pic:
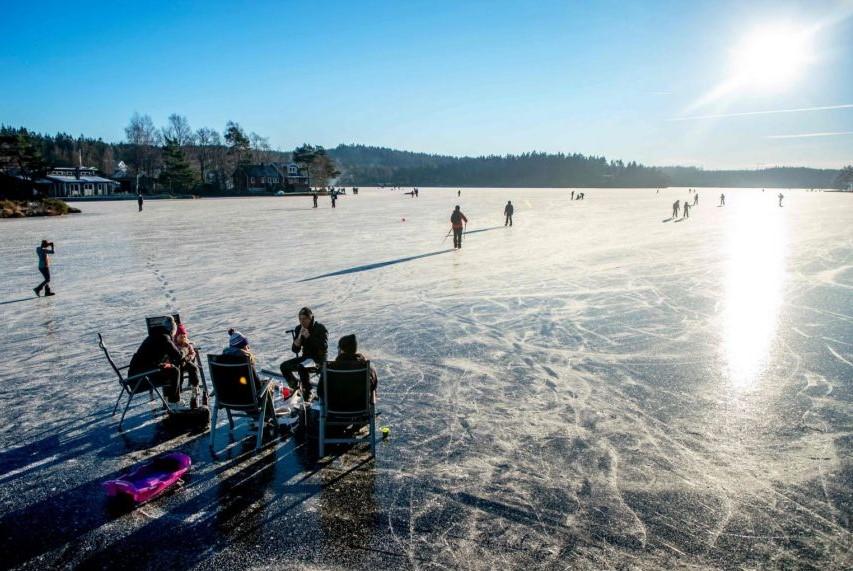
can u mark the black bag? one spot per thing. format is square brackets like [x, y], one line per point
[191, 418]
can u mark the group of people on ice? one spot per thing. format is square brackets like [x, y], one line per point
[168, 352]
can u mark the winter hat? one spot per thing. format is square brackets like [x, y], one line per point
[237, 339]
[182, 329]
[348, 344]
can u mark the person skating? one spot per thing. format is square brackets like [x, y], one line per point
[334, 196]
[458, 193]
[311, 339]
[675, 208]
[696, 199]
[781, 196]
[139, 201]
[573, 195]
[722, 199]
[686, 210]
[508, 210]
[314, 197]
[43, 251]
[457, 223]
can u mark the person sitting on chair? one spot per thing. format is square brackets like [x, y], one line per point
[238, 346]
[312, 339]
[188, 362]
[349, 358]
[158, 351]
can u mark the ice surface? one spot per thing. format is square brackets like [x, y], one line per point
[594, 387]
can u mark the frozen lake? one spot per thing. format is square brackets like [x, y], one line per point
[593, 387]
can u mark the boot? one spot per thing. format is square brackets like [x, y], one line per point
[47, 291]
[38, 291]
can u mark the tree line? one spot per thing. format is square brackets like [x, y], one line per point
[365, 165]
[178, 158]
[173, 157]
[370, 165]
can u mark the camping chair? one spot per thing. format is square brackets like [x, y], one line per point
[133, 385]
[160, 321]
[346, 400]
[234, 385]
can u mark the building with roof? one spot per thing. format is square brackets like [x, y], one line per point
[68, 182]
[270, 177]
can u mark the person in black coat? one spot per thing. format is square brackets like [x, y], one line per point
[508, 210]
[311, 339]
[159, 352]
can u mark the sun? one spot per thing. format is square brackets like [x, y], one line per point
[771, 57]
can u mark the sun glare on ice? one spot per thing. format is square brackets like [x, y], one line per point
[754, 283]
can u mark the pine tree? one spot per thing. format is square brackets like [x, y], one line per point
[176, 174]
[238, 142]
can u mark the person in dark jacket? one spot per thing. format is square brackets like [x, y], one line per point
[311, 339]
[508, 210]
[158, 351]
[457, 223]
[43, 252]
[349, 358]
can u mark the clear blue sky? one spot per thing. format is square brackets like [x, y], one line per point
[596, 77]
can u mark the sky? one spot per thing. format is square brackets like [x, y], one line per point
[660, 82]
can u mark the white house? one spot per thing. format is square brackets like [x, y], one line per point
[79, 181]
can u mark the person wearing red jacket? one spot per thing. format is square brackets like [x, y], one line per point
[457, 222]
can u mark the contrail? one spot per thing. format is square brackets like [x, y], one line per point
[770, 112]
[804, 135]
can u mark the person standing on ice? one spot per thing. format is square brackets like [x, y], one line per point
[43, 252]
[573, 195]
[675, 208]
[458, 193]
[722, 199]
[781, 196]
[696, 199]
[334, 196]
[314, 196]
[508, 210]
[457, 224]
[686, 210]
[139, 201]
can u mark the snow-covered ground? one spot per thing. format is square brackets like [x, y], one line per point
[596, 386]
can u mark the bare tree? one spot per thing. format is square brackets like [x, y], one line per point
[178, 129]
[144, 139]
[206, 141]
[261, 150]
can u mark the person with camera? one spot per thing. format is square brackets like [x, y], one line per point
[43, 251]
[311, 339]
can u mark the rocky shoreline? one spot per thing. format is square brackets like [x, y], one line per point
[26, 208]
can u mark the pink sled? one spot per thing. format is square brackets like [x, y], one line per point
[151, 478]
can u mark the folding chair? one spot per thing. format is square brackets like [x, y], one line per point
[346, 401]
[160, 321]
[133, 385]
[235, 391]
